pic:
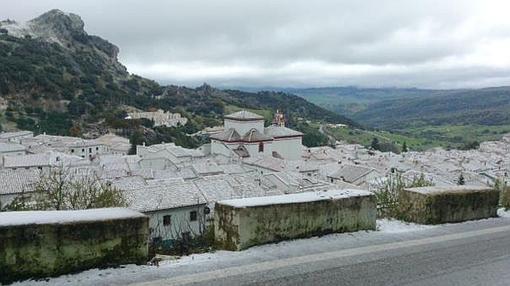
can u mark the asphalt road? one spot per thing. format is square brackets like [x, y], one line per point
[476, 253]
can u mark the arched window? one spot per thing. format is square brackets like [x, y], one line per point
[261, 147]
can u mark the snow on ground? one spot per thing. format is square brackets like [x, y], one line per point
[504, 213]
[397, 226]
[134, 272]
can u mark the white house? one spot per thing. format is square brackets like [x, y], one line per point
[12, 149]
[15, 137]
[66, 144]
[353, 174]
[244, 136]
[176, 208]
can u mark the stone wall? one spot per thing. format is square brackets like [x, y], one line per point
[435, 205]
[41, 244]
[242, 223]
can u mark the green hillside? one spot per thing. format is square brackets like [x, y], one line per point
[56, 78]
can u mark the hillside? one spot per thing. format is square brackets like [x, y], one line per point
[398, 108]
[351, 100]
[56, 78]
[489, 106]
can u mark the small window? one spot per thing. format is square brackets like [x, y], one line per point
[72, 150]
[82, 150]
[167, 220]
[97, 148]
[261, 147]
[90, 150]
[193, 215]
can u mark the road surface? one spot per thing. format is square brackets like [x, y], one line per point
[477, 253]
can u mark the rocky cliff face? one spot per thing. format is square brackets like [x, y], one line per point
[54, 76]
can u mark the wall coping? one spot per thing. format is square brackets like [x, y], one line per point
[295, 198]
[65, 217]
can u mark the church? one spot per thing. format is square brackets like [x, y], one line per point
[244, 135]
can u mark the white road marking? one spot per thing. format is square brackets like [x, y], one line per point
[292, 261]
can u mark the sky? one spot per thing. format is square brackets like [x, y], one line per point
[294, 43]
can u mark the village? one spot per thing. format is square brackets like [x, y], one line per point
[178, 187]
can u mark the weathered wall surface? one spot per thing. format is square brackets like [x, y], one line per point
[435, 205]
[238, 228]
[50, 249]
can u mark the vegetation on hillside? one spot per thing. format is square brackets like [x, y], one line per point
[77, 87]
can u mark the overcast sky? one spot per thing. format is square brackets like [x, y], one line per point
[398, 43]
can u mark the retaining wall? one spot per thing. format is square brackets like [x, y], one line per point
[49, 243]
[435, 205]
[242, 223]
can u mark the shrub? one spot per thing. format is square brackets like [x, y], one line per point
[504, 191]
[388, 194]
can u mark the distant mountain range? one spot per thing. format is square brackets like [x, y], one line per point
[56, 78]
[395, 108]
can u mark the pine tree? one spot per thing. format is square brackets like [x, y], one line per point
[461, 181]
[375, 144]
[404, 147]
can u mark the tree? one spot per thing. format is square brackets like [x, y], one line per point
[137, 138]
[375, 144]
[62, 189]
[404, 147]
[461, 181]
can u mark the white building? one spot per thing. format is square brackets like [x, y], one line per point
[246, 136]
[15, 137]
[176, 208]
[66, 144]
[12, 149]
[160, 118]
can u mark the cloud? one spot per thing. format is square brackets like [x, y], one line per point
[423, 43]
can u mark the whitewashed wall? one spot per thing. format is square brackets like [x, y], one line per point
[289, 148]
[180, 222]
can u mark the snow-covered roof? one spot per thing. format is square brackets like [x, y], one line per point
[280, 131]
[11, 147]
[244, 115]
[163, 194]
[41, 160]
[448, 189]
[206, 169]
[350, 173]
[295, 198]
[65, 217]
[18, 181]
[253, 135]
[8, 135]
[227, 135]
[266, 162]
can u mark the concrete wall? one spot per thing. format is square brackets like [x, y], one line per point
[436, 205]
[53, 243]
[238, 228]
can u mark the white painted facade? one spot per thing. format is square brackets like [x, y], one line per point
[289, 148]
[245, 129]
[88, 150]
[181, 220]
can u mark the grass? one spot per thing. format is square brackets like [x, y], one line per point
[423, 138]
[365, 137]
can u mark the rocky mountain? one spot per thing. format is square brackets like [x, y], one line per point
[56, 78]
